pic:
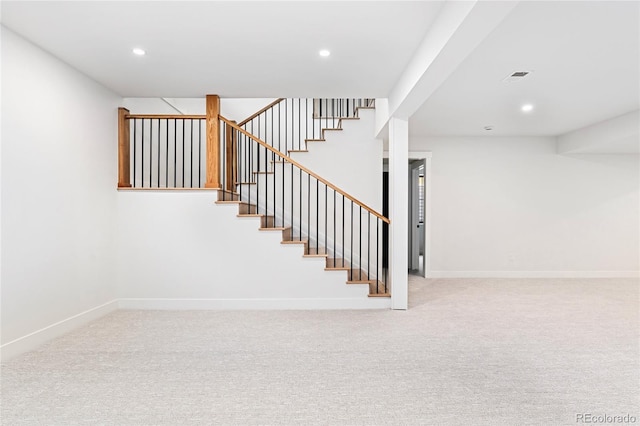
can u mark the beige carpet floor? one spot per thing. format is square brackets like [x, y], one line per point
[468, 352]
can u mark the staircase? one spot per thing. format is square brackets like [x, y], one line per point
[290, 199]
[261, 168]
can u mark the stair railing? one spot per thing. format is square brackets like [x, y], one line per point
[306, 207]
[287, 124]
[167, 151]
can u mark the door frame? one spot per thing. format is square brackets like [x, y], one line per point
[426, 156]
[414, 213]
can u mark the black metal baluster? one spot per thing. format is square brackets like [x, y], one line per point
[306, 120]
[334, 227]
[299, 125]
[317, 217]
[326, 231]
[282, 195]
[150, 151]
[309, 210]
[266, 187]
[259, 150]
[292, 219]
[368, 246]
[183, 132]
[343, 231]
[142, 157]
[199, 153]
[377, 256]
[300, 199]
[273, 178]
[351, 248]
[333, 113]
[240, 163]
[158, 153]
[191, 155]
[360, 244]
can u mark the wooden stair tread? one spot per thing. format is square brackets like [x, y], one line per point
[315, 255]
[298, 150]
[315, 140]
[294, 242]
[246, 183]
[379, 295]
[228, 202]
[263, 173]
[249, 215]
[279, 228]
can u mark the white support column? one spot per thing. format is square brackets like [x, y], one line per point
[398, 211]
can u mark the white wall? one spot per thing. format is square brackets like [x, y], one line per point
[351, 159]
[180, 250]
[231, 108]
[59, 140]
[512, 206]
[618, 135]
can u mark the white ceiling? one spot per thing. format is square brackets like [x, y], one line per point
[234, 49]
[586, 61]
[585, 55]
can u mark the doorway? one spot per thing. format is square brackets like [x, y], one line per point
[419, 211]
[416, 221]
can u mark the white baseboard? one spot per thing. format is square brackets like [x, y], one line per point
[535, 274]
[37, 338]
[255, 304]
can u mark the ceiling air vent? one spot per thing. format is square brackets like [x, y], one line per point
[516, 76]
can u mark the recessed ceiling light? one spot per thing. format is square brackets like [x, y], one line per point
[488, 127]
[324, 53]
[138, 51]
[527, 108]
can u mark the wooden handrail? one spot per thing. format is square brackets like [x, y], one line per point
[167, 116]
[303, 168]
[251, 117]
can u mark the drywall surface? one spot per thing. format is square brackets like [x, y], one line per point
[236, 109]
[59, 161]
[350, 158]
[513, 207]
[179, 246]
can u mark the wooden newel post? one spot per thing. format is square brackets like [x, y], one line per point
[124, 151]
[213, 142]
[231, 158]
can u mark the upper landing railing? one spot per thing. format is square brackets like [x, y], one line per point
[287, 124]
[182, 151]
[169, 151]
